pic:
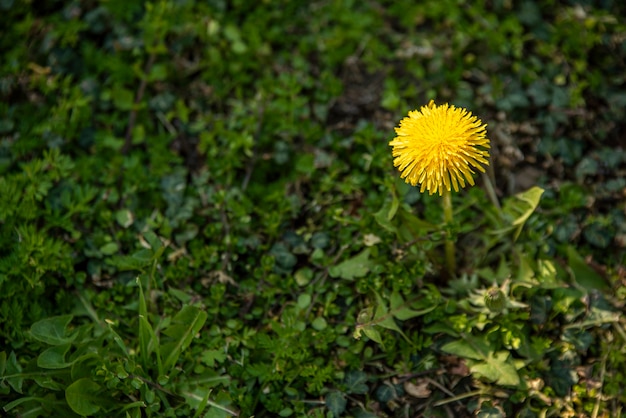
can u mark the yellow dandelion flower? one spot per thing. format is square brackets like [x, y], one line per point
[438, 146]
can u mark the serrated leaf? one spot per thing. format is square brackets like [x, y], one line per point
[83, 397]
[497, 368]
[469, 347]
[336, 403]
[53, 331]
[210, 357]
[355, 382]
[386, 393]
[357, 266]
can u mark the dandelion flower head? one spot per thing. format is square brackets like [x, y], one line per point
[438, 147]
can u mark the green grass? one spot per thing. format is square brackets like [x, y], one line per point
[199, 215]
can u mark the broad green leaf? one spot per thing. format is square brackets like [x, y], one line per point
[83, 397]
[319, 323]
[53, 330]
[468, 347]
[357, 266]
[54, 357]
[386, 393]
[497, 368]
[185, 325]
[336, 403]
[304, 300]
[462, 349]
[584, 275]
[109, 248]
[355, 382]
[124, 218]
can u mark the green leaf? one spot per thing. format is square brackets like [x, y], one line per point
[319, 323]
[54, 357]
[53, 330]
[497, 368]
[469, 347]
[148, 342]
[210, 357]
[520, 207]
[397, 219]
[336, 403]
[31, 406]
[584, 275]
[357, 266]
[136, 261]
[153, 240]
[400, 309]
[355, 382]
[109, 248]
[14, 371]
[386, 213]
[185, 325]
[122, 98]
[382, 317]
[83, 397]
[304, 300]
[124, 218]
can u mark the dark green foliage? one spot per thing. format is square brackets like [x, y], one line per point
[199, 217]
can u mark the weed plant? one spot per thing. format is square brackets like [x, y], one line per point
[199, 213]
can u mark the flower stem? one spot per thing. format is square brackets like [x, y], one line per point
[449, 245]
